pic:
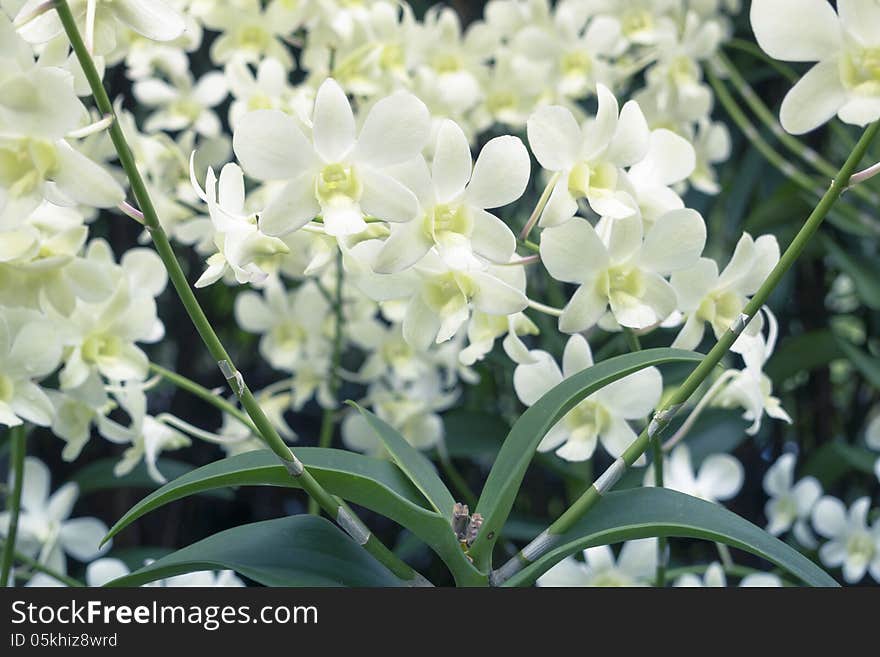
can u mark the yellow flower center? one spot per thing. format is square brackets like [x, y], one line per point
[24, 164]
[501, 101]
[588, 419]
[621, 282]
[577, 63]
[720, 309]
[253, 37]
[97, 346]
[448, 219]
[446, 63]
[6, 388]
[860, 70]
[861, 546]
[448, 292]
[187, 108]
[391, 57]
[338, 180]
[635, 21]
[587, 180]
[258, 102]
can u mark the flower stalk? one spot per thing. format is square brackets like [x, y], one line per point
[550, 537]
[328, 417]
[346, 519]
[13, 504]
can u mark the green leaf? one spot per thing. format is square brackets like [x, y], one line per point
[861, 270]
[98, 476]
[863, 362]
[803, 353]
[645, 512]
[519, 448]
[292, 551]
[834, 460]
[368, 482]
[414, 464]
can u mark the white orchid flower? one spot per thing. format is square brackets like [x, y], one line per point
[846, 79]
[623, 270]
[411, 407]
[242, 247]
[483, 330]
[750, 388]
[182, 105]
[289, 321]
[76, 410]
[267, 88]
[101, 336]
[589, 160]
[147, 436]
[453, 198]
[449, 63]
[336, 174]
[704, 295]
[100, 20]
[712, 144]
[714, 577]
[670, 159]
[636, 565]
[252, 30]
[601, 417]
[45, 529]
[851, 543]
[438, 301]
[577, 48]
[790, 503]
[35, 169]
[718, 478]
[30, 349]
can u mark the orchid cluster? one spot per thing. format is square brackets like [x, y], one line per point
[399, 194]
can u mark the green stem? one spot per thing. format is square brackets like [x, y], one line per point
[662, 541]
[550, 537]
[530, 245]
[657, 451]
[328, 417]
[13, 504]
[33, 564]
[204, 393]
[163, 247]
[632, 340]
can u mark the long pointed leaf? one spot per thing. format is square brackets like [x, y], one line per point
[368, 482]
[292, 551]
[519, 448]
[645, 512]
[414, 464]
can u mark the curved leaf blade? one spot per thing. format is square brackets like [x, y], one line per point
[368, 482]
[645, 512]
[98, 476]
[519, 448]
[378, 485]
[293, 551]
[414, 464]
